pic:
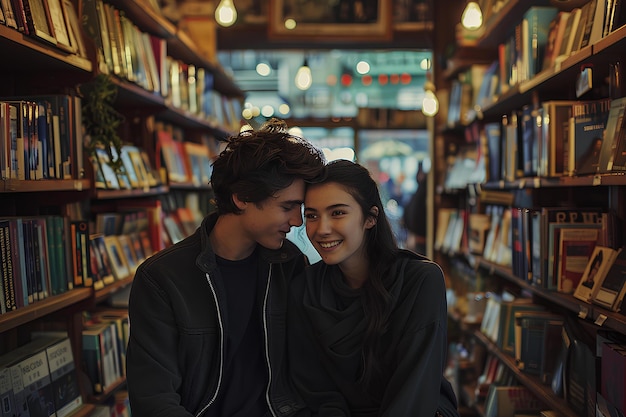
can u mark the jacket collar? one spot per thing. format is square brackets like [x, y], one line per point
[206, 258]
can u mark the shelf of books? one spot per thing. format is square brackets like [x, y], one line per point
[531, 156]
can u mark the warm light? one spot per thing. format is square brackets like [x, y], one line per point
[225, 13]
[430, 104]
[296, 131]
[472, 17]
[284, 108]
[304, 78]
[263, 69]
[425, 64]
[246, 114]
[245, 128]
[362, 67]
[267, 110]
[290, 24]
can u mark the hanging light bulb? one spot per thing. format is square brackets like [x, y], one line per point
[430, 104]
[304, 78]
[472, 17]
[225, 13]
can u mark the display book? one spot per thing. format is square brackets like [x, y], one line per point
[40, 378]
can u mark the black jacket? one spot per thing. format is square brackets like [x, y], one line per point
[326, 326]
[175, 352]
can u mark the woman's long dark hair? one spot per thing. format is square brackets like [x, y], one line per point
[381, 250]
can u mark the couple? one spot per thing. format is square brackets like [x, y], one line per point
[231, 322]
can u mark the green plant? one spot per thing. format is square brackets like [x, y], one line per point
[100, 118]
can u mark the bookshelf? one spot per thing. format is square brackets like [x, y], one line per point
[604, 190]
[39, 68]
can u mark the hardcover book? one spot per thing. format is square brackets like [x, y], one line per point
[595, 271]
[614, 125]
[611, 292]
[585, 136]
[64, 378]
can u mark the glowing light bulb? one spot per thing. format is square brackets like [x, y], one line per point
[304, 77]
[472, 17]
[225, 13]
[430, 103]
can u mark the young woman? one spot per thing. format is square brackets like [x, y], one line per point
[367, 325]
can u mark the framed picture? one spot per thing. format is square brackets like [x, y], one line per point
[59, 23]
[119, 265]
[199, 163]
[110, 177]
[128, 165]
[353, 20]
[129, 253]
[98, 176]
[140, 169]
[103, 261]
[39, 20]
[153, 175]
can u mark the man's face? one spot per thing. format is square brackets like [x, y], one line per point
[269, 222]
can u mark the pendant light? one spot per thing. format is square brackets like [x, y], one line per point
[304, 77]
[225, 13]
[472, 17]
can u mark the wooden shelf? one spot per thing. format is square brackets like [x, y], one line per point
[534, 384]
[23, 315]
[31, 186]
[125, 194]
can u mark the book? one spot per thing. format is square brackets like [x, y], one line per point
[551, 220]
[595, 271]
[575, 248]
[510, 401]
[614, 125]
[582, 153]
[536, 334]
[38, 20]
[612, 289]
[32, 383]
[613, 382]
[536, 25]
[580, 367]
[571, 28]
[556, 31]
[119, 264]
[64, 378]
[555, 123]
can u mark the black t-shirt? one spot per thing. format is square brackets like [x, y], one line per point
[242, 392]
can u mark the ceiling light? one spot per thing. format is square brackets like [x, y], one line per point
[430, 103]
[304, 77]
[263, 69]
[225, 13]
[362, 67]
[472, 17]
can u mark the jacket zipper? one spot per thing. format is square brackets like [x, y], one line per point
[267, 348]
[219, 319]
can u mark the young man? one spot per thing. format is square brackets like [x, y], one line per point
[207, 314]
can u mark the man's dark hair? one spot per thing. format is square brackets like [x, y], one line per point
[257, 164]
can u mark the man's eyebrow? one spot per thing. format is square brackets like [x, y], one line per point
[293, 202]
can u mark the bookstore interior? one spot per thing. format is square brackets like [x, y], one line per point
[112, 111]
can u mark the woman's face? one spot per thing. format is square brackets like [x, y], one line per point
[335, 225]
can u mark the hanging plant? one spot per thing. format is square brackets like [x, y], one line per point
[100, 118]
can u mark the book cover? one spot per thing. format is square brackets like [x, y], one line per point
[614, 125]
[611, 291]
[580, 368]
[595, 271]
[538, 20]
[613, 382]
[536, 332]
[32, 385]
[617, 160]
[556, 115]
[575, 248]
[586, 134]
[571, 28]
[560, 215]
[64, 377]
